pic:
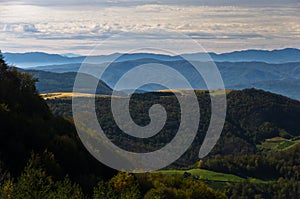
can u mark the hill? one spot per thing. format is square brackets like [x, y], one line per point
[253, 117]
[28, 127]
[63, 82]
[260, 141]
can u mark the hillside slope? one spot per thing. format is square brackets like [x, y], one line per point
[253, 116]
[64, 82]
[28, 126]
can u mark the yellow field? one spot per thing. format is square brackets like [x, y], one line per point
[68, 95]
[58, 95]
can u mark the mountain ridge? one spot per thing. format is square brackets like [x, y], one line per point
[32, 59]
[278, 78]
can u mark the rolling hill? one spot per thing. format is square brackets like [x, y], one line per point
[253, 117]
[63, 82]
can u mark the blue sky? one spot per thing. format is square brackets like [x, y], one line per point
[74, 26]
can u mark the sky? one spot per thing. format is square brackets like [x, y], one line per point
[73, 26]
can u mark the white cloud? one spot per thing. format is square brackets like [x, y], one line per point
[128, 3]
[218, 28]
[29, 28]
[22, 28]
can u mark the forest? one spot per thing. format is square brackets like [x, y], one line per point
[42, 156]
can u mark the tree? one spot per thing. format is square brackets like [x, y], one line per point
[123, 186]
[35, 183]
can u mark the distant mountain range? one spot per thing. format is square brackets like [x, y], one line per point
[33, 59]
[282, 79]
[277, 71]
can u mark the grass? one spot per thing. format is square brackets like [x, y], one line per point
[206, 175]
[277, 144]
[215, 180]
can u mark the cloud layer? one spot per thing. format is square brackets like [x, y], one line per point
[72, 27]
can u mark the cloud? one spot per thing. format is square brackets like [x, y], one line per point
[29, 28]
[19, 28]
[221, 28]
[197, 35]
[129, 3]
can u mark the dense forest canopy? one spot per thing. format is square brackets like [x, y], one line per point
[42, 157]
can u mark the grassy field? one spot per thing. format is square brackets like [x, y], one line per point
[206, 175]
[278, 144]
[214, 179]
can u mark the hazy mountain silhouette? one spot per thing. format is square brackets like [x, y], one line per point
[32, 59]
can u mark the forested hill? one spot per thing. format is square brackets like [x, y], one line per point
[28, 126]
[254, 117]
[260, 140]
[41, 155]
